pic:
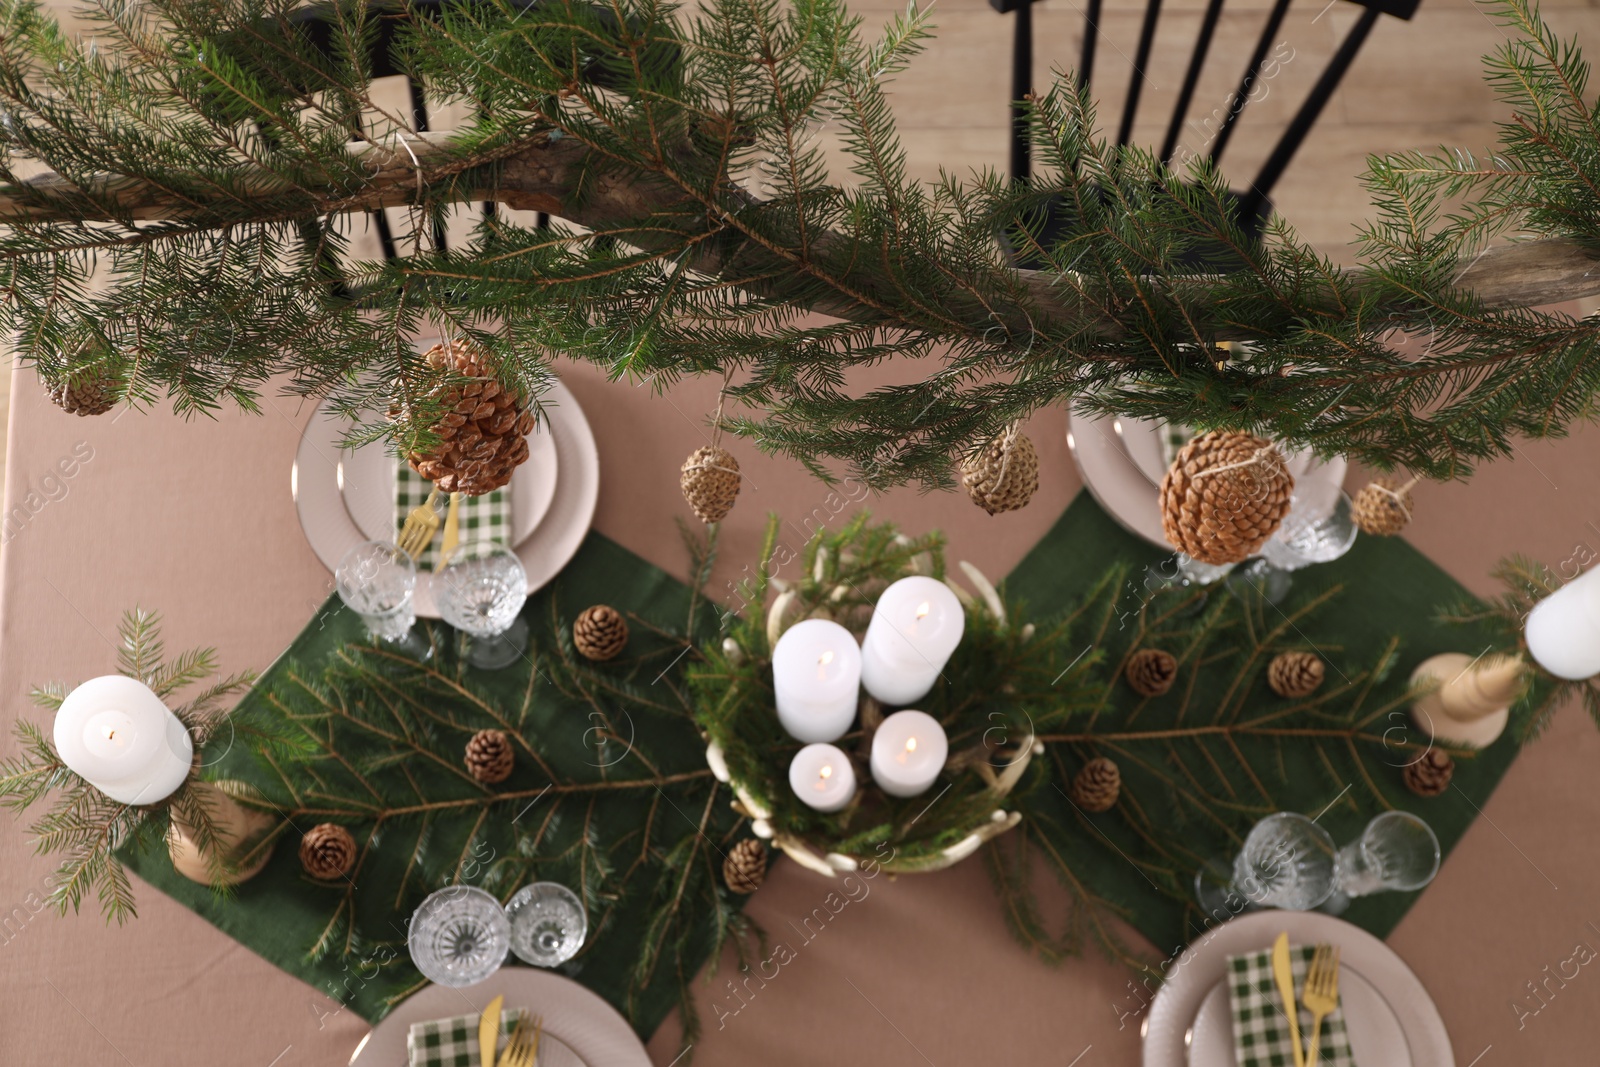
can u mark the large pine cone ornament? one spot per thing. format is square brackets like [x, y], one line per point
[327, 851]
[600, 632]
[745, 867]
[1224, 496]
[483, 435]
[710, 482]
[1003, 474]
[1151, 671]
[1430, 775]
[1294, 674]
[1096, 786]
[489, 756]
[84, 394]
[1382, 509]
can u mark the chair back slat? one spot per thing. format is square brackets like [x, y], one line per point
[1141, 60]
[1091, 36]
[1191, 78]
[1247, 81]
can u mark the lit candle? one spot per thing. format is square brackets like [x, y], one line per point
[1563, 629]
[914, 628]
[816, 677]
[116, 734]
[908, 752]
[821, 776]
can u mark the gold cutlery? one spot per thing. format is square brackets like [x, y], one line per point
[422, 522]
[489, 1031]
[1321, 994]
[452, 530]
[1283, 973]
[523, 1049]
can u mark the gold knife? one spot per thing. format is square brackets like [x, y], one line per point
[489, 1032]
[1284, 973]
[452, 529]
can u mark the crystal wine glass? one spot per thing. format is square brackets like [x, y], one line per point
[548, 923]
[1397, 851]
[1287, 862]
[377, 581]
[481, 592]
[458, 936]
[1316, 530]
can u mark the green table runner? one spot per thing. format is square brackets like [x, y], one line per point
[280, 914]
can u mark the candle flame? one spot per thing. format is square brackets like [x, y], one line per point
[923, 609]
[822, 665]
[911, 746]
[823, 775]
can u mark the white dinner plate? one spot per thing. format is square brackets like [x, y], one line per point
[314, 481]
[585, 1027]
[1131, 498]
[1391, 1020]
[1141, 438]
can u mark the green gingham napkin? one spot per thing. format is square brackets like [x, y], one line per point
[453, 1042]
[1261, 1030]
[483, 518]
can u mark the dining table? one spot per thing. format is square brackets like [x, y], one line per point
[193, 517]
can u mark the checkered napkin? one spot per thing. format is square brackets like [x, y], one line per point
[483, 518]
[1261, 1030]
[453, 1042]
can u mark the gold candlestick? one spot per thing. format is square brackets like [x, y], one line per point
[240, 829]
[1470, 700]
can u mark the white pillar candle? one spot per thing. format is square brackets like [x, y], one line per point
[915, 627]
[116, 734]
[821, 776]
[816, 678]
[908, 752]
[1563, 629]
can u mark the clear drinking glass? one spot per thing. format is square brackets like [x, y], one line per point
[1397, 851]
[458, 936]
[376, 581]
[480, 592]
[1179, 571]
[548, 923]
[1316, 530]
[1287, 862]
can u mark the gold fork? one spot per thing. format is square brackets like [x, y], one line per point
[1321, 994]
[523, 1048]
[421, 524]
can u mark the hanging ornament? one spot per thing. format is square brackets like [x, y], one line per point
[85, 393]
[1383, 507]
[327, 851]
[1224, 495]
[1003, 474]
[600, 632]
[489, 756]
[710, 482]
[1294, 674]
[483, 433]
[1097, 785]
[1151, 671]
[746, 866]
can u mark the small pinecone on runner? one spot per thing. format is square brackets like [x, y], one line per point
[1224, 495]
[1151, 671]
[746, 866]
[600, 632]
[710, 482]
[483, 434]
[1295, 674]
[1002, 475]
[1096, 785]
[84, 394]
[1382, 508]
[327, 851]
[489, 756]
[1430, 775]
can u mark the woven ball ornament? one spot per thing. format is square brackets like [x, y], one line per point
[710, 482]
[489, 757]
[483, 434]
[1096, 786]
[1383, 508]
[1294, 674]
[1430, 775]
[1002, 475]
[327, 851]
[745, 867]
[1151, 671]
[85, 394]
[1225, 494]
[600, 633]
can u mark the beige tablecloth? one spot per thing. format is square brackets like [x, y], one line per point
[196, 520]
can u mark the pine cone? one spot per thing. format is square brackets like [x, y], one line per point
[745, 868]
[1382, 509]
[327, 851]
[600, 632]
[1294, 674]
[710, 482]
[489, 756]
[483, 435]
[1151, 671]
[1003, 474]
[85, 394]
[1430, 775]
[1096, 785]
[1225, 494]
